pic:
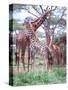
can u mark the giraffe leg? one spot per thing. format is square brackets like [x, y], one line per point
[46, 60]
[61, 59]
[33, 64]
[18, 58]
[28, 58]
[58, 58]
[23, 56]
[46, 64]
[28, 55]
[15, 58]
[32, 59]
[50, 62]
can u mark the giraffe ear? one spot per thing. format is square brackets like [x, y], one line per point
[47, 10]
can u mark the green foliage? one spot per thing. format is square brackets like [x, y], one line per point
[57, 20]
[57, 75]
[54, 20]
[40, 34]
[14, 25]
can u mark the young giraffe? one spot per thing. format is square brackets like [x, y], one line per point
[23, 39]
[53, 48]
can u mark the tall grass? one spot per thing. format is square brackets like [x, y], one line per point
[57, 75]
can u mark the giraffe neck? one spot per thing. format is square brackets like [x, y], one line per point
[37, 23]
[30, 31]
[47, 34]
[37, 46]
[34, 25]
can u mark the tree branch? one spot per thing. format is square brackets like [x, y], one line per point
[63, 13]
[31, 13]
[53, 9]
[41, 9]
[36, 10]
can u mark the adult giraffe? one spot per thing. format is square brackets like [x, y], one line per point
[23, 39]
[42, 49]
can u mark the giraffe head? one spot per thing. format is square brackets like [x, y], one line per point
[47, 12]
[27, 20]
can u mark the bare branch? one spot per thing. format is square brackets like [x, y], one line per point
[41, 9]
[24, 8]
[63, 13]
[31, 13]
[36, 9]
[47, 7]
[53, 9]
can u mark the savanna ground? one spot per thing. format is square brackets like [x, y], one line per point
[38, 76]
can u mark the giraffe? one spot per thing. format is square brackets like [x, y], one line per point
[37, 47]
[50, 50]
[23, 39]
[56, 52]
[62, 44]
